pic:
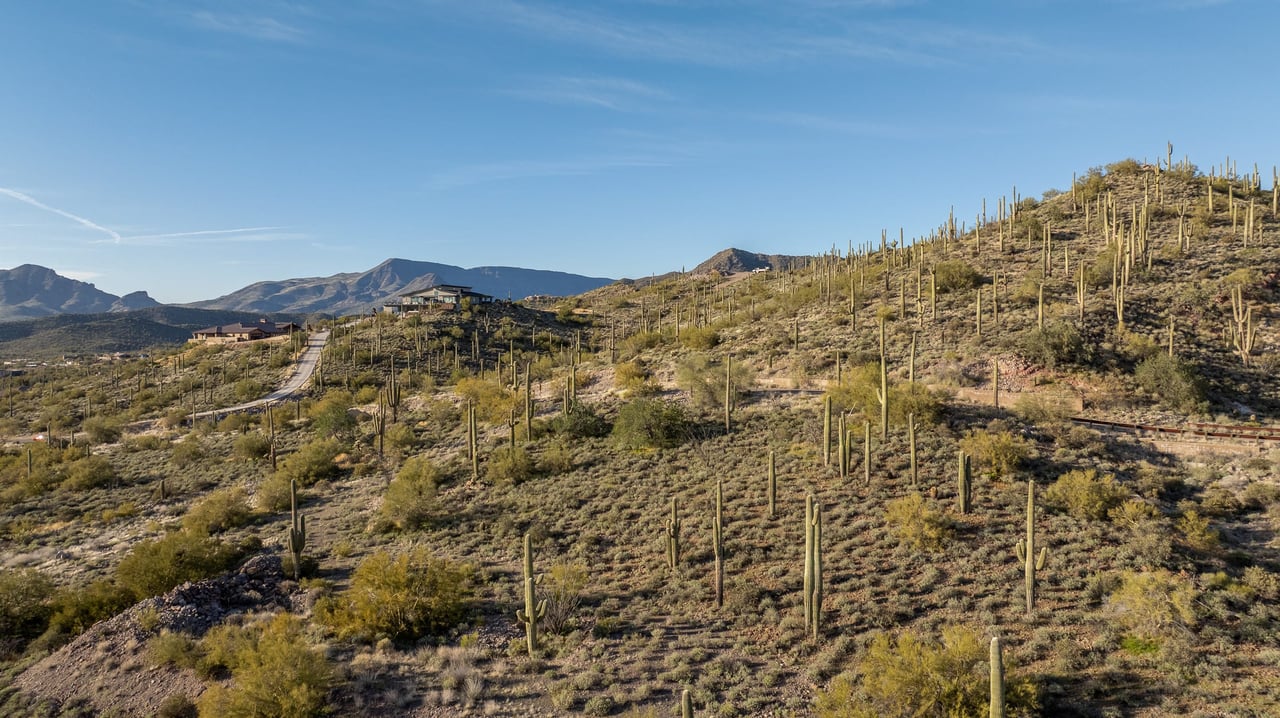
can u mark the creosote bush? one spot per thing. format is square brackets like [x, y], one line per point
[1153, 605]
[954, 275]
[917, 524]
[582, 421]
[221, 510]
[911, 676]
[400, 596]
[1085, 495]
[650, 423]
[274, 672]
[156, 566]
[999, 451]
[509, 466]
[1174, 380]
[1058, 343]
[311, 462]
[411, 495]
[25, 606]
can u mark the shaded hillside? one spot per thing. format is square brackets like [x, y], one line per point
[30, 291]
[110, 332]
[358, 292]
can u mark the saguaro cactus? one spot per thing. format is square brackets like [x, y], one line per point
[826, 430]
[812, 566]
[882, 393]
[911, 438]
[997, 679]
[297, 530]
[717, 542]
[673, 536]
[533, 610]
[964, 490]
[686, 704]
[773, 486]
[1026, 550]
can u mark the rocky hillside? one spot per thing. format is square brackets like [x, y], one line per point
[358, 292]
[732, 261]
[29, 291]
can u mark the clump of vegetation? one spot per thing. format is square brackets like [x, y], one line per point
[582, 421]
[221, 510]
[917, 524]
[252, 446]
[273, 671]
[509, 466]
[650, 424]
[634, 378]
[1000, 450]
[699, 338]
[402, 597]
[1057, 343]
[910, 676]
[953, 275]
[491, 401]
[411, 495]
[858, 392]
[25, 607]
[1085, 495]
[704, 379]
[156, 566]
[1175, 381]
[1153, 605]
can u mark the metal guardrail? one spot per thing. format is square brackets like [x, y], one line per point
[1211, 431]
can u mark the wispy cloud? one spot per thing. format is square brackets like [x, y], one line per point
[216, 236]
[21, 197]
[822, 123]
[256, 27]
[610, 93]
[501, 171]
[796, 31]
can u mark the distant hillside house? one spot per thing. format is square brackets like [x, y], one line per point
[241, 332]
[446, 296]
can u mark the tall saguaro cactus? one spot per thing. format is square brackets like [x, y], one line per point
[882, 393]
[717, 542]
[533, 610]
[673, 535]
[773, 486]
[812, 566]
[1026, 550]
[997, 679]
[297, 530]
[964, 489]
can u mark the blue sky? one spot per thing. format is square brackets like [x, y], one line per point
[189, 148]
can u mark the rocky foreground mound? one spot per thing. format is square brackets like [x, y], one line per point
[107, 665]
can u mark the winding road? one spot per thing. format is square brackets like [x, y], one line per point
[303, 369]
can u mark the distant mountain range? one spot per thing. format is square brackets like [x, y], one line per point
[30, 291]
[731, 261]
[356, 292]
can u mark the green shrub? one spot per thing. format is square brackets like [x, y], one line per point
[399, 439]
[564, 586]
[633, 378]
[704, 380]
[76, 609]
[172, 649]
[156, 566]
[955, 275]
[252, 446]
[1057, 343]
[859, 388]
[102, 429]
[402, 597]
[221, 510]
[187, 452]
[331, 416]
[1175, 381]
[1085, 495]
[917, 524]
[699, 338]
[248, 389]
[89, 473]
[312, 461]
[273, 494]
[912, 677]
[25, 607]
[1153, 605]
[580, 422]
[650, 423]
[1000, 451]
[273, 673]
[411, 495]
[492, 402]
[509, 466]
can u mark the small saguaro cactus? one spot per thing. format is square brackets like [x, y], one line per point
[297, 530]
[964, 490]
[1026, 550]
[882, 393]
[911, 438]
[717, 542]
[773, 485]
[673, 535]
[826, 430]
[533, 610]
[686, 704]
[997, 679]
[812, 566]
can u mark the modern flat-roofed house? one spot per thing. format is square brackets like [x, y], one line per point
[241, 332]
[446, 296]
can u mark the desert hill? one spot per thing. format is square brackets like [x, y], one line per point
[926, 405]
[30, 291]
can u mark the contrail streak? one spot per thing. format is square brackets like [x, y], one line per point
[115, 236]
